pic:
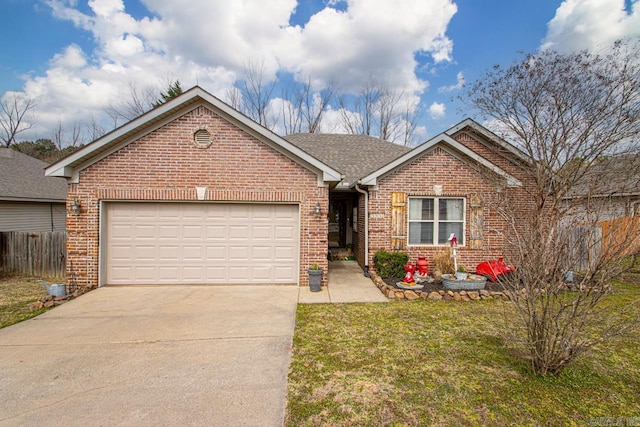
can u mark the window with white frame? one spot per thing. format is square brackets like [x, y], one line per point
[433, 219]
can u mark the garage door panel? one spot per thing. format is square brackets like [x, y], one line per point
[284, 253]
[121, 231]
[142, 253]
[192, 232]
[261, 253]
[261, 232]
[193, 243]
[144, 274]
[123, 252]
[146, 231]
[284, 232]
[193, 253]
[262, 273]
[282, 272]
[238, 253]
[168, 253]
[239, 232]
[239, 274]
[168, 231]
[215, 253]
[213, 274]
[216, 232]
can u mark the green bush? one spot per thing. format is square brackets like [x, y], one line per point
[390, 264]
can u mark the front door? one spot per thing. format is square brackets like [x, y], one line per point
[337, 223]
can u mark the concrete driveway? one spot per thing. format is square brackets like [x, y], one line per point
[188, 355]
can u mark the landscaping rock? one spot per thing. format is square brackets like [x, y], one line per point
[473, 295]
[457, 297]
[410, 295]
[435, 295]
[399, 294]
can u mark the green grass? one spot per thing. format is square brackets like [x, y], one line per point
[16, 293]
[444, 363]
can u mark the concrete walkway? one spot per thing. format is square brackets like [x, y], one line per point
[152, 356]
[346, 284]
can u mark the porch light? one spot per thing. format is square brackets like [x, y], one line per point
[75, 207]
[318, 209]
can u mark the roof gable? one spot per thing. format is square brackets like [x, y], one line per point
[22, 179]
[443, 139]
[70, 166]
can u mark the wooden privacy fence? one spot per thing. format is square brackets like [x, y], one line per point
[37, 254]
[612, 239]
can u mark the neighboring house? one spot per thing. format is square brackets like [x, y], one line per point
[195, 192]
[607, 198]
[29, 201]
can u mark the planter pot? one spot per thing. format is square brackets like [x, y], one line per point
[315, 280]
[56, 290]
[461, 276]
[472, 282]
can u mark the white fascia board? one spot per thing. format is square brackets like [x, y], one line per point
[328, 174]
[490, 136]
[63, 167]
[372, 179]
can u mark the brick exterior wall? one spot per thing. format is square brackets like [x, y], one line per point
[166, 165]
[459, 177]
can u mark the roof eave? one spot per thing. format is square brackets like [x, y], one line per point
[372, 179]
[70, 166]
[470, 123]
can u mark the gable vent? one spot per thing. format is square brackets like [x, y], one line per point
[202, 138]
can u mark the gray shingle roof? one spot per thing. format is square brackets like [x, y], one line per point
[353, 155]
[613, 176]
[22, 178]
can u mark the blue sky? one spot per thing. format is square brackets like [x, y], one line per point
[78, 58]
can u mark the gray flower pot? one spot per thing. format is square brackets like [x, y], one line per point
[315, 280]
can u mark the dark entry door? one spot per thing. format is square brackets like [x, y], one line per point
[337, 223]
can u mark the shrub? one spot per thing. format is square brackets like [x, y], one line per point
[443, 262]
[390, 264]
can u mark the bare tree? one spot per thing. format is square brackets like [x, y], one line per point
[256, 91]
[59, 138]
[303, 108]
[14, 114]
[381, 111]
[567, 113]
[93, 129]
[388, 112]
[138, 101]
[314, 104]
[359, 116]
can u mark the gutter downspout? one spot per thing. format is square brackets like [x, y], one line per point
[366, 229]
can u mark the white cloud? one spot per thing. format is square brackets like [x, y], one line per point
[459, 84]
[211, 41]
[437, 110]
[591, 24]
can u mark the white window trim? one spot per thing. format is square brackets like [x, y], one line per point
[436, 220]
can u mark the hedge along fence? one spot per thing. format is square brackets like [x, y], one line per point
[34, 254]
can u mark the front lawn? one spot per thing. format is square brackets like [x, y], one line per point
[16, 293]
[444, 363]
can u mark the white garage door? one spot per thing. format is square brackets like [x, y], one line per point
[195, 243]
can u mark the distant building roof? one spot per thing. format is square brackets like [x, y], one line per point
[353, 155]
[22, 179]
[610, 177]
